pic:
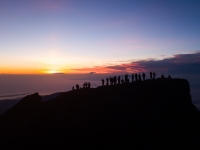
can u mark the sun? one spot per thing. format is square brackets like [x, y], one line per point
[52, 71]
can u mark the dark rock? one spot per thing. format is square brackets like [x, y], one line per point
[151, 114]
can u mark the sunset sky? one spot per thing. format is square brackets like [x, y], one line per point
[104, 36]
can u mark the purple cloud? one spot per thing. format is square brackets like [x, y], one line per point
[180, 63]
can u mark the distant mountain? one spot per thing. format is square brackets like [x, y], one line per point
[151, 114]
[9, 103]
[91, 72]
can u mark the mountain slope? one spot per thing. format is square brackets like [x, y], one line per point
[152, 114]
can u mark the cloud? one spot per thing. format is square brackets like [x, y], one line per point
[178, 64]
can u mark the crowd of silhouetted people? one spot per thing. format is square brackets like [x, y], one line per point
[118, 80]
[85, 85]
[134, 77]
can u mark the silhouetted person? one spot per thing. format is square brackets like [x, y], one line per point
[107, 81]
[126, 77]
[110, 80]
[136, 77]
[102, 82]
[86, 85]
[140, 79]
[162, 76]
[118, 79]
[132, 77]
[143, 76]
[115, 80]
[89, 84]
[122, 81]
[83, 85]
[73, 88]
[77, 87]
[150, 75]
[169, 77]
[154, 75]
[127, 80]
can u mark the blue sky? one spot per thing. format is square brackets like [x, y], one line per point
[48, 36]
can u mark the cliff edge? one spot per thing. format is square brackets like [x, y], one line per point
[150, 114]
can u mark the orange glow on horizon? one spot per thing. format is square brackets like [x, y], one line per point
[52, 71]
[74, 69]
[20, 71]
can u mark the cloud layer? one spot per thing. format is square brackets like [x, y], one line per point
[178, 64]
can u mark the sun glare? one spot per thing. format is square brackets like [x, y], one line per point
[52, 71]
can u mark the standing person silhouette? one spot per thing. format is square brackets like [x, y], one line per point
[136, 77]
[89, 84]
[73, 88]
[102, 82]
[86, 85]
[169, 77]
[143, 76]
[154, 75]
[115, 80]
[107, 81]
[118, 79]
[132, 77]
[77, 87]
[140, 77]
[122, 80]
[125, 78]
[150, 75]
[110, 81]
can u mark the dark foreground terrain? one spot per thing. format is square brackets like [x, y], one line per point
[152, 114]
